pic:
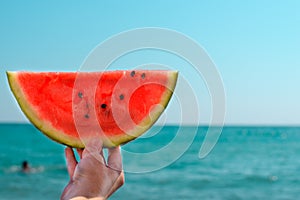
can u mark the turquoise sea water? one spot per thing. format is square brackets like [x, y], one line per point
[247, 163]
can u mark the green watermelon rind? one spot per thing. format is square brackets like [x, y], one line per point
[44, 126]
[152, 117]
[59, 136]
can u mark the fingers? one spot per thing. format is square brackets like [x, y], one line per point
[71, 161]
[79, 151]
[117, 184]
[114, 160]
[94, 148]
[94, 145]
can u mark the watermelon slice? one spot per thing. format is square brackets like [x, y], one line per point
[71, 107]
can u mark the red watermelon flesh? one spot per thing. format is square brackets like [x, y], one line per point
[69, 107]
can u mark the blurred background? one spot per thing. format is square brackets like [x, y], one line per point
[255, 46]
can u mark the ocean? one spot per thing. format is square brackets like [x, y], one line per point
[247, 163]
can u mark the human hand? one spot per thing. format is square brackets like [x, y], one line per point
[92, 176]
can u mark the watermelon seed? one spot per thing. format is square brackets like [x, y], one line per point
[80, 95]
[103, 105]
[121, 97]
[132, 73]
[87, 116]
[143, 75]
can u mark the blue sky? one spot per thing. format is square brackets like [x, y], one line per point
[255, 45]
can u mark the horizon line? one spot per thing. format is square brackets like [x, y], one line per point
[191, 124]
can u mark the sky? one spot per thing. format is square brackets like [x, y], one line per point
[255, 46]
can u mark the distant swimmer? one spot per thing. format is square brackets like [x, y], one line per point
[25, 167]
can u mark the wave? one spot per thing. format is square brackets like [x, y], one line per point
[33, 170]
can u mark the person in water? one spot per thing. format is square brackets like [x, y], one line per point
[93, 177]
[25, 167]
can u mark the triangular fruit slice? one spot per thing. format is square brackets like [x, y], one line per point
[71, 107]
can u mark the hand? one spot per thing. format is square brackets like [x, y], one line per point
[92, 176]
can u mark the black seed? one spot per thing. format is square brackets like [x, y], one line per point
[80, 95]
[143, 75]
[103, 105]
[132, 73]
[87, 116]
[121, 97]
